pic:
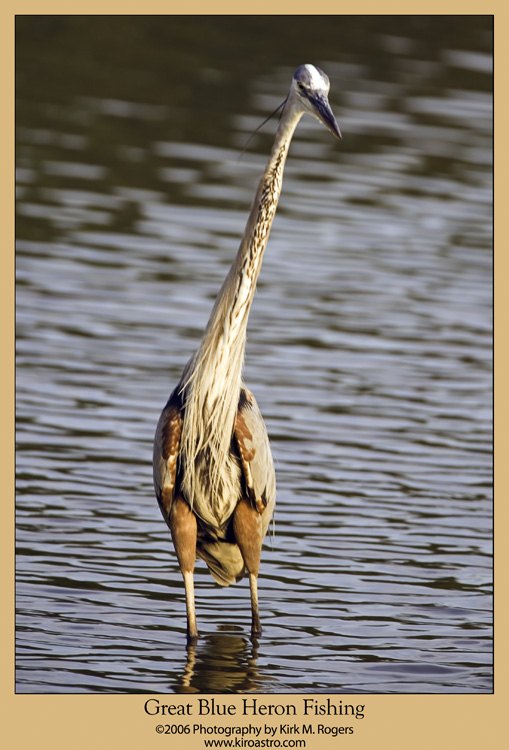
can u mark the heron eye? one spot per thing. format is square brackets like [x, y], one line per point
[301, 86]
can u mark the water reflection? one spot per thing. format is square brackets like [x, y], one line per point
[224, 663]
[369, 350]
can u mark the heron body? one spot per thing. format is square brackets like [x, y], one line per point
[213, 470]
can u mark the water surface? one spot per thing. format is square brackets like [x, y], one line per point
[369, 350]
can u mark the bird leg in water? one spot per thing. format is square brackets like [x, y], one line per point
[182, 523]
[247, 528]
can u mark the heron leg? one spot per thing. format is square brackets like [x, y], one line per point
[182, 523]
[247, 527]
[256, 627]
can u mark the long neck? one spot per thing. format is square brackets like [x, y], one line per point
[223, 344]
[212, 380]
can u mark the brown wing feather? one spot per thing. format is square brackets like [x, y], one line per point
[255, 456]
[166, 449]
[224, 559]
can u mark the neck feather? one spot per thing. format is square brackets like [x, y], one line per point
[212, 379]
[226, 330]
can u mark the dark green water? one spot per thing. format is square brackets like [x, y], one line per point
[369, 348]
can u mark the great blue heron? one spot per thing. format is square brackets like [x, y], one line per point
[213, 470]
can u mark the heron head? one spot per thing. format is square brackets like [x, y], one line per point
[310, 87]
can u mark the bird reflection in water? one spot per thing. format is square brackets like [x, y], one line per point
[224, 663]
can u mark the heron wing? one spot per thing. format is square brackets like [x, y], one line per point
[255, 457]
[166, 449]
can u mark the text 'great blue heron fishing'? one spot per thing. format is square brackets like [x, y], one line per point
[213, 469]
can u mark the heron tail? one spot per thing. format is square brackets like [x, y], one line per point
[224, 561]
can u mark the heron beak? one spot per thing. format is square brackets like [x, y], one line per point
[324, 114]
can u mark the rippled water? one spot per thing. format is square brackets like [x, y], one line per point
[369, 352]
